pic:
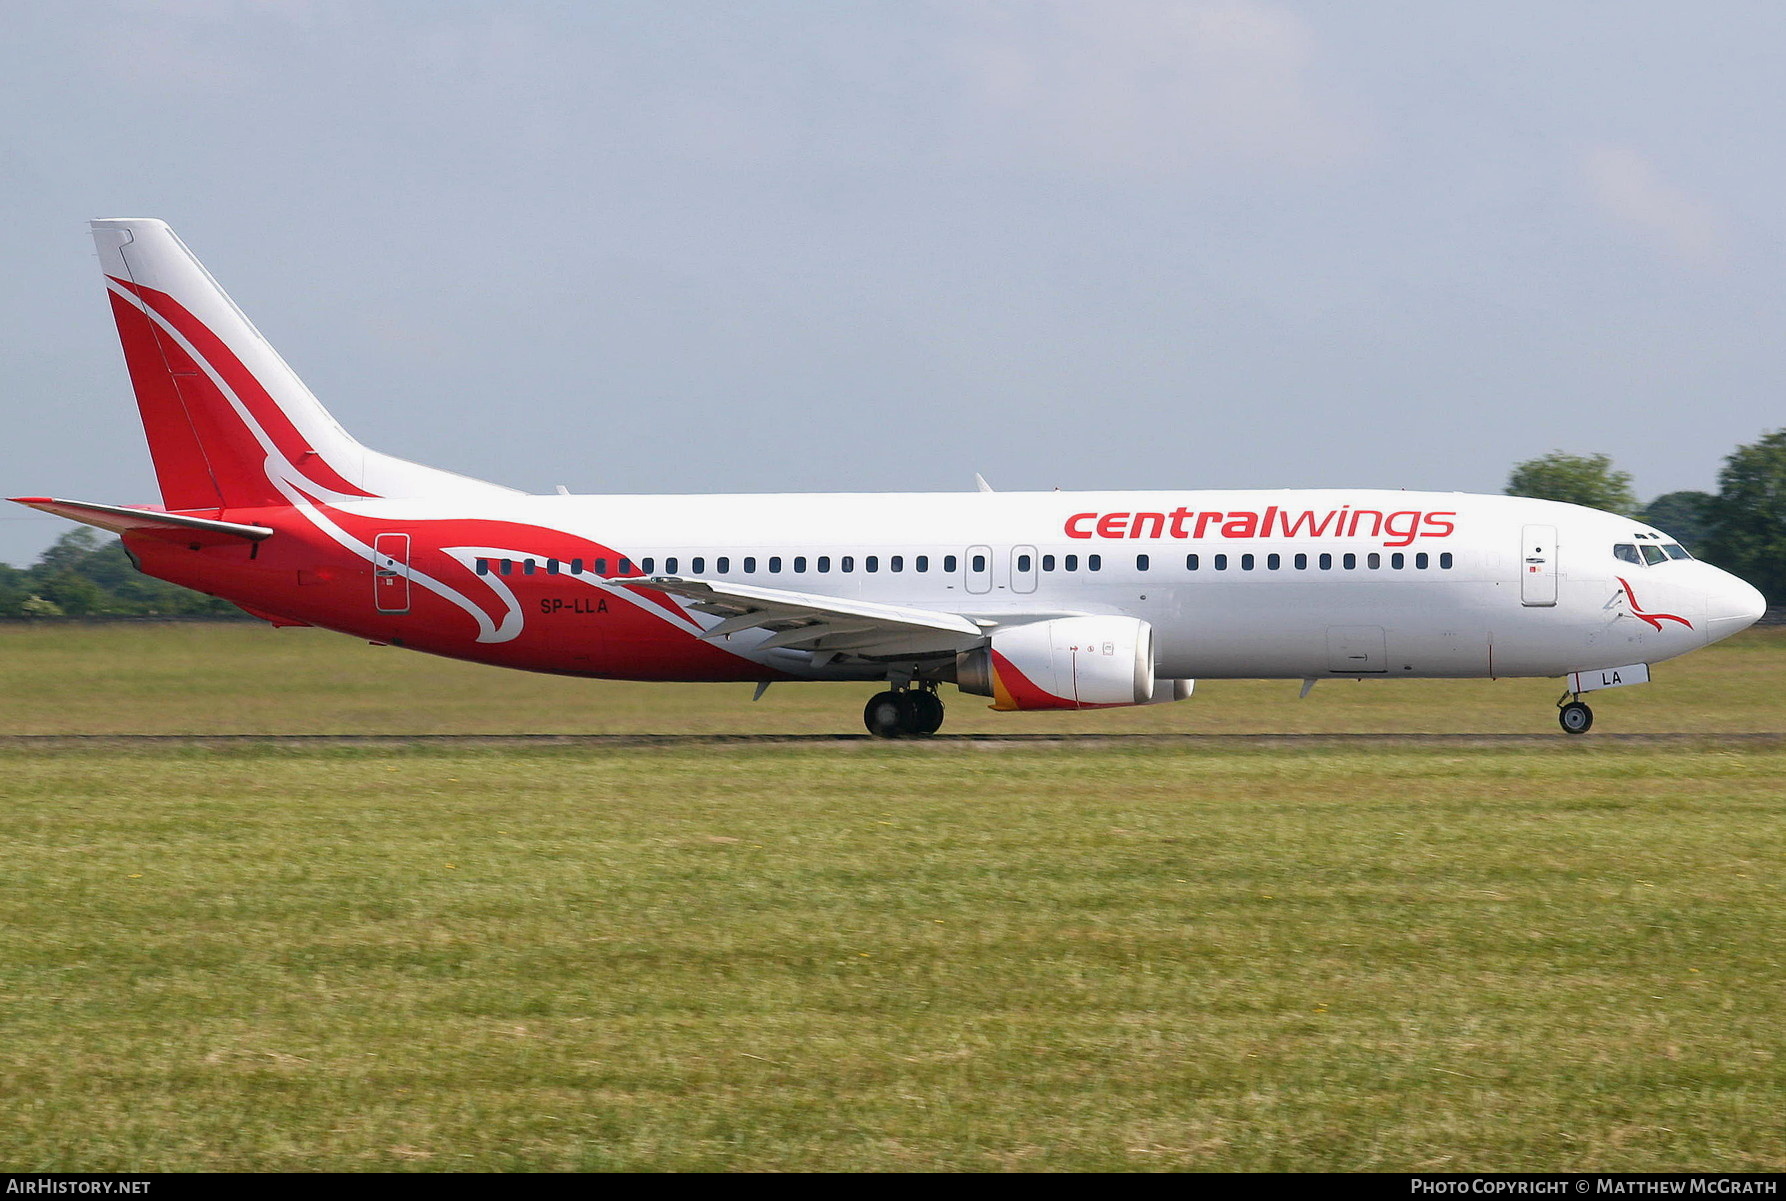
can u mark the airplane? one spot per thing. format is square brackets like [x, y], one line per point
[1038, 600]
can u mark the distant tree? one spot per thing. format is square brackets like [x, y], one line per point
[74, 594]
[1576, 479]
[69, 551]
[1750, 513]
[36, 606]
[13, 590]
[87, 573]
[1688, 516]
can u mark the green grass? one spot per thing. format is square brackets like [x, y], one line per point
[854, 956]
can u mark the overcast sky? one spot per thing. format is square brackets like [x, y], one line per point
[706, 247]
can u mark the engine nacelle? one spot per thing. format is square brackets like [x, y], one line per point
[1066, 663]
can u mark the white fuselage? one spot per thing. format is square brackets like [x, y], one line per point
[1301, 584]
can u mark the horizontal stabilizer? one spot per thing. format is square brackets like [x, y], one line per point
[120, 519]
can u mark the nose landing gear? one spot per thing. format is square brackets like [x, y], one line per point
[1572, 715]
[908, 712]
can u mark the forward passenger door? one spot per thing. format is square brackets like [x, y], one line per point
[1538, 566]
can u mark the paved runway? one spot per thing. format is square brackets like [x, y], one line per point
[934, 742]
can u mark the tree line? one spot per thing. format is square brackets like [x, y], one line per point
[88, 574]
[1741, 527]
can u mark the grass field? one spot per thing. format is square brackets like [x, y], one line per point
[1543, 954]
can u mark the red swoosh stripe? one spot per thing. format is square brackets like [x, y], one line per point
[1655, 619]
[260, 404]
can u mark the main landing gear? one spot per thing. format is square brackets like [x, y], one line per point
[904, 713]
[1572, 715]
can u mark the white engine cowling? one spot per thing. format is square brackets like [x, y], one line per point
[1066, 663]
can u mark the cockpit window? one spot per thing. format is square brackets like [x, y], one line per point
[1627, 552]
[1676, 550]
[1652, 554]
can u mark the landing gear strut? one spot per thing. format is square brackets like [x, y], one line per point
[904, 713]
[1573, 716]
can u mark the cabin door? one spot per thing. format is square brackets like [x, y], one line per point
[390, 573]
[1538, 566]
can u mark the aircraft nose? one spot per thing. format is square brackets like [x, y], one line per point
[1733, 605]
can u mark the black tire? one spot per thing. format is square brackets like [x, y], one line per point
[1575, 718]
[885, 715]
[927, 712]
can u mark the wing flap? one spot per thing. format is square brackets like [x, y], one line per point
[805, 621]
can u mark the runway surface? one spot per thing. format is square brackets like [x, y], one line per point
[934, 742]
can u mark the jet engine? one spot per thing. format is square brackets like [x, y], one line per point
[1067, 663]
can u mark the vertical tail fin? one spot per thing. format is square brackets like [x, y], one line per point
[229, 424]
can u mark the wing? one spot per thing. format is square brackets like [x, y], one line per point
[120, 519]
[803, 621]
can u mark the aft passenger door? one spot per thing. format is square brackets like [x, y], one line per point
[1538, 566]
[390, 573]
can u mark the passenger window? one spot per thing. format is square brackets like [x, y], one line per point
[508, 566]
[1350, 561]
[1273, 562]
[897, 563]
[1420, 561]
[775, 564]
[871, 563]
[698, 566]
[1326, 561]
[1221, 562]
[1071, 563]
[551, 566]
[669, 566]
[979, 562]
[847, 563]
[1301, 562]
[527, 566]
[1094, 562]
[1445, 561]
[750, 564]
[1047, 562]
[1398, 560]
[483, 567]
[949, 564]
[1246, 562]
[645, 566]
[601, 567]
[923, 562]
[1374, 561]
[626, 567]
[824, 564]
[576, 567]
[1023, 562]
[1141, 562]
[1190, 562]
[799, 564]
[723, 565]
